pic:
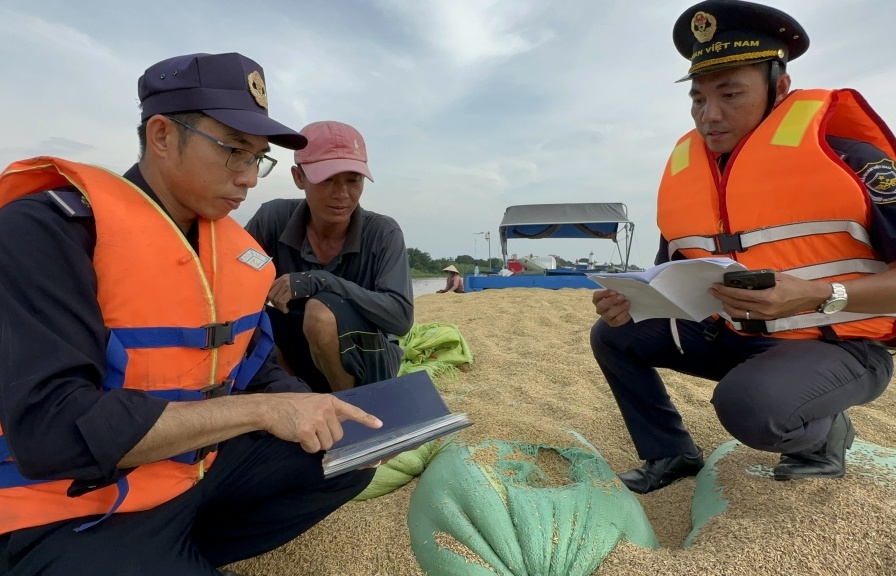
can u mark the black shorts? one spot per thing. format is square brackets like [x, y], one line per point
[367, 353]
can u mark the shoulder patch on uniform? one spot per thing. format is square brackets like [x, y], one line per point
[880, 180]
[254, 259]
[72, 203]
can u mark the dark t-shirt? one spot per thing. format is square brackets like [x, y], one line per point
[371, 271]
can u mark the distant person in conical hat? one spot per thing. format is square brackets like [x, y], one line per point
[801, 182]
[454, 282]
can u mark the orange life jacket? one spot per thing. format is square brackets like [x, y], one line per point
[785, 201]
[180, 325]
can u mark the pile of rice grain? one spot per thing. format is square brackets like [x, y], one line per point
[533, 379]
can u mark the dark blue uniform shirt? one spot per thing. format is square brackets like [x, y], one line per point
[55, 420]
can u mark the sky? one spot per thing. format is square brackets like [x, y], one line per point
[467, 106]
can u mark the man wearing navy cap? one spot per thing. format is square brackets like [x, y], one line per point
[134, 340]
[801, 182]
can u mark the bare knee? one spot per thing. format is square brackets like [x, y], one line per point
[319, 323]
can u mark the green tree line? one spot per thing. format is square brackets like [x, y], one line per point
[422, 264]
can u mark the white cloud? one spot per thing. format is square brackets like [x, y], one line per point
[471, 31]
[467, 106]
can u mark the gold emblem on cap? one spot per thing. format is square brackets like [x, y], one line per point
[703, 24]
[256, 87]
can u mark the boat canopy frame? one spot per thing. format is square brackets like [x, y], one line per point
[574, 220]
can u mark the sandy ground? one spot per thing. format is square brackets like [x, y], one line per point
[534, 379]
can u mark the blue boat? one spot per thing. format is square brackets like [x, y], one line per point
[604, 221]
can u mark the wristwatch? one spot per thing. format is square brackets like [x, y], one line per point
[836, 301]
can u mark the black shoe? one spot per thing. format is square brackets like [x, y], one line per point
[829, 461]
[656, 474]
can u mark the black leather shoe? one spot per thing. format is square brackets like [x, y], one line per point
[656, 474]
[829, 461]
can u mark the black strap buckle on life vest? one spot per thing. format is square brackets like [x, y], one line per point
[727, 243]
[711, 330]
[753, 326]
[218, 390]
[217, 335]
[828, 334]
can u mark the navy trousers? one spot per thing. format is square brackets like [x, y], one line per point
[260, 493]
[772, 394]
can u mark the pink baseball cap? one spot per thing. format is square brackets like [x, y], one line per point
[333, 148]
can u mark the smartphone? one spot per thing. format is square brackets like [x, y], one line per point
[750, 279]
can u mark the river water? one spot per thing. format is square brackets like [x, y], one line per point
[427, 285]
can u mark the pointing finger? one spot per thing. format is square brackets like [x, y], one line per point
[346, 411]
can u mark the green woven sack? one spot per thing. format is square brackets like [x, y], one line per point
[521, 509]
[436, 347]
[866, 459]
[398, 471]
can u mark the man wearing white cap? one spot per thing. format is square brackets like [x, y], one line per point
[343, 289]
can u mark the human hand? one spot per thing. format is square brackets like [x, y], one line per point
[280, 293]
[612, 307]
[790, 295]
[312, 420]
[295, 285]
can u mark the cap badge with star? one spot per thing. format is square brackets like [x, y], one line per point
[704, 26]
[719, 34]
[257, 88]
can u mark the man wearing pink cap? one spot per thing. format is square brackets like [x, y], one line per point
[343, 288]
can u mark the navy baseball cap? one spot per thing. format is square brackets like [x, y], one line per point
[227, 87]
[719, 34]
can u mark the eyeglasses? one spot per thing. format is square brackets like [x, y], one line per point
[239, 160]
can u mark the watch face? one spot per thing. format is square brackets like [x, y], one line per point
[834, 306]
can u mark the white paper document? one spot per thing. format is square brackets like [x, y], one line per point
[676, 289]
